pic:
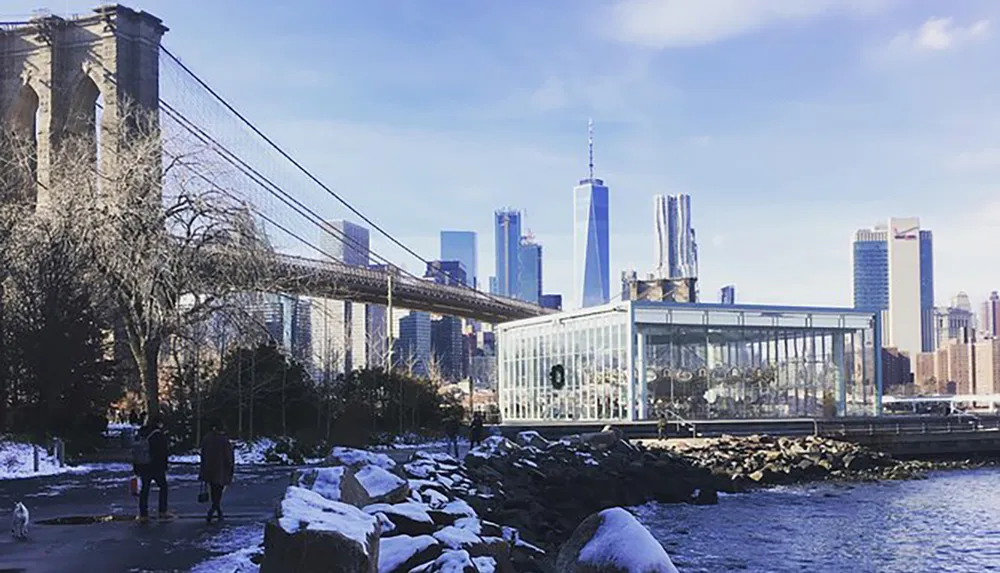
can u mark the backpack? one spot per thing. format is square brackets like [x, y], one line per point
[140, 451]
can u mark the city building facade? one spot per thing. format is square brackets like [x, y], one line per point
[676, 248]
[446, 272]
[894, 274]
[633, 360]
[989, 316]
[461, 246]
[448, 348]
[413, 347]
[553, 301]
[727, 294]
[507, 232]
[591, 244]
[529, 256]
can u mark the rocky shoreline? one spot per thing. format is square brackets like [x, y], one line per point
[516, 505]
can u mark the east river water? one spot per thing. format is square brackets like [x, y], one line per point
[948, 523]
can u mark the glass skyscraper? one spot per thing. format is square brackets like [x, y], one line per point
[530, 270]
[591, 243]
[676, 249]
[461, 246]
[908, 255]
[508, 243]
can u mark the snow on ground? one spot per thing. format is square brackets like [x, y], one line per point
[253, 453]
[17, 461]
[236, 546]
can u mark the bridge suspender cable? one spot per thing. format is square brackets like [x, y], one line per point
[301, 168]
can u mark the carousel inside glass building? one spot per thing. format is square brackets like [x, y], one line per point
[634, 361]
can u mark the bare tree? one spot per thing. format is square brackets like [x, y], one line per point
[167, 237]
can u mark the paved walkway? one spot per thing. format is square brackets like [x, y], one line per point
[128, 546]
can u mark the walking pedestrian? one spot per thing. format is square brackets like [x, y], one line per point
[661, 426]
[217, 465]
[451, 429]
[149, 462]
[476, 430]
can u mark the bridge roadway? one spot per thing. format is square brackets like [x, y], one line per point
[915, 436]
[328, 279]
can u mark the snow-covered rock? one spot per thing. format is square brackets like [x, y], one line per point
[402, 553]
[340, 456]
[382, 486]
[492, 446]
[531, 438]
[313, 534]
[409, 518]
[613, 541]
[336, 484]
[449, 562]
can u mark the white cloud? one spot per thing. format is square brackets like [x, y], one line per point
[940, 34]
[678, 23]
[982, 160]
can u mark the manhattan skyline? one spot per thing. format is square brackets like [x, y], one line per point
[789, 128]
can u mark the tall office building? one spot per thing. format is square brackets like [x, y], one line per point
[342, 331]
[989, 316]
[676, 248]
[553, 301]
[346, 242]
[446, 272]
[894, 274]
[461, 246]
[413, 350]
[727, 295]
[448, 347]
[508, 242]
[287, 322]
[591, 242]
[529, 256]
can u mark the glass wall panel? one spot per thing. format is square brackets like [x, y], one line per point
[747, 362]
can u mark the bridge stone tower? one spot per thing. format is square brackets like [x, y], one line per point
[53, 71]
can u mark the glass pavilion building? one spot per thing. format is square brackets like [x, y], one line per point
[631, 361]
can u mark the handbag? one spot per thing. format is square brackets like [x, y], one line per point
[203, 493]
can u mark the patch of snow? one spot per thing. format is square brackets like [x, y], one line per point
[17, 461]
[237, 546]
[420, 469]
[437, 457]
[459, 508]
[302, 509]
[244, 453]
[412, 511]
[448, 562]
[621, 540]
[327, 482]
[393, 552]
[471, 524]
[493, 446]
[385, 525]
[456, 537]
[485, 564]
[435, 499]
[377, 481]
[357, 458]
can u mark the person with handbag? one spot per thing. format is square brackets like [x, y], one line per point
[217, 466]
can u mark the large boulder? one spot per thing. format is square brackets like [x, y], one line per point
[336, 484]
[312, 534]
[402, 553]
[408, 518]
[357, 459]
[603, 440]
[613, 541]
[382, 486]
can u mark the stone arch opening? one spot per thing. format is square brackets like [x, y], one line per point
[20, 161]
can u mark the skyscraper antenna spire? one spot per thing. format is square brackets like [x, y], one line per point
[590, 145]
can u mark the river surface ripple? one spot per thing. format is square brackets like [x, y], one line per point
[948, 523]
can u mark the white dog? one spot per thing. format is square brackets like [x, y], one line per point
[19, 521]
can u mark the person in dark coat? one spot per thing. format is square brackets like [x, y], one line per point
[155, 471]
[451, 429]
[217, 465]
[476, 430]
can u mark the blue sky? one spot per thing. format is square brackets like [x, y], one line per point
[790, 122]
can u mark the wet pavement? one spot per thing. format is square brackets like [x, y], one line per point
[127, 546]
